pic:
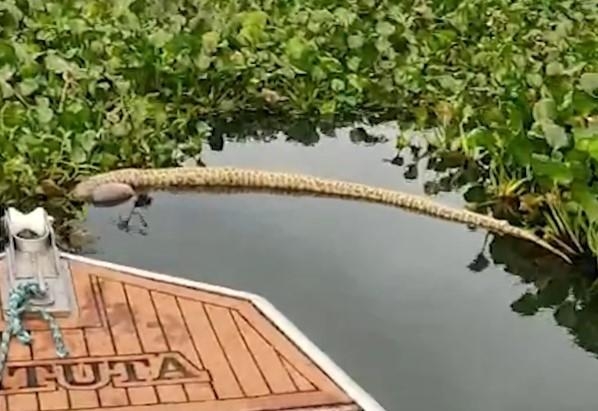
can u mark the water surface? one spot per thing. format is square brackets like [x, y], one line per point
[386, 293]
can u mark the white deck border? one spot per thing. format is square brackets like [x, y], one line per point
[361, 397]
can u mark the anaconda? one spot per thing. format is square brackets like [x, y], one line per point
[258, 180]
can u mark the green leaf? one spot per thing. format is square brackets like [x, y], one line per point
[11, 115]
[328, 107]
[28, 86]
[449, 83]
[544, 109]
[355, 82]
[159, 38]
[475, 194]
[87, 140]
[295, 47]
[253, 26]
[209, 41]
[480, 137]
[557, 171]
[12, 10]
[56, 64]
[78, 155]
[590, 146]
[583, 103]
[534, 79]
[355, 41]
[385, 28]
[555, 135]
[108, 161]
[586, 140]
[7, 51]
[588, 200]
[353, 63]
[6, 73]
[519, 147]
[589, 82]
[6, 90]
[344, 16]
[44, 112]
[203, 62]
[554, 69]
[383, 45]
[337, 85]
[122, 86]
[120, 129]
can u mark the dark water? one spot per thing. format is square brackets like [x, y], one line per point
[386, 293]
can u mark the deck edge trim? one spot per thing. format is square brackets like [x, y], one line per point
[363, 399]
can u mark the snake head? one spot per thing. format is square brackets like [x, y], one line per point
[105, 194]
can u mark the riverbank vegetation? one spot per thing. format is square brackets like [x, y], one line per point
[510, 86]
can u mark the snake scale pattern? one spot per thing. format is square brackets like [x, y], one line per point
[250, 179]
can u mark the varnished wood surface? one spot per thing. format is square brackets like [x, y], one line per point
[145, 345]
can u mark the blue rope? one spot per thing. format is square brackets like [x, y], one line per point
[18, 302]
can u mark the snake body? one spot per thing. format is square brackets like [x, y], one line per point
[250, 179]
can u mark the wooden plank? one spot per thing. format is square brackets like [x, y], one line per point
[281, 402]
[18, 351]
[88, 311]
[122, 328]
[26, 401]
[225, 383]
[150, 337]
[199, 392]
[183, 292]
[290, 351]
[178, 339]
[299, 380]
[236, 351]
[79, 399]
[100, 343]
[146, 320]
[157, 342]
[23, 402]
[125, 335]
[43, 348]
[266, 357]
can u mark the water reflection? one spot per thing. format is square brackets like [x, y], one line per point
[570, 294]
[305, 132]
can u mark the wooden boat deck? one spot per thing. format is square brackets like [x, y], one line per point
[143, 343]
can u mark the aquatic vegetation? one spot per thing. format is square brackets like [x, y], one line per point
[512, 87]
[568, 293]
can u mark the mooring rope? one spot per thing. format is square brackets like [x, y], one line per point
[18, 302]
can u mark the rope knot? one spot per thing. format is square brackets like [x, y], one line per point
[19, 300]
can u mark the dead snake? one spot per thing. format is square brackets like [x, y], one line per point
[249, 179]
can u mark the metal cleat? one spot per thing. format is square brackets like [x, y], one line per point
[32, 255]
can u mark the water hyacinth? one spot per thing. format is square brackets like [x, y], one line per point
[87, 86]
